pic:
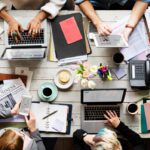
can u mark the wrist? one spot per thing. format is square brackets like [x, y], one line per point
[32, 129]
[129, 26]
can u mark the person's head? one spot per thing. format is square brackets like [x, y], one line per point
[11, 140]
[106, 140]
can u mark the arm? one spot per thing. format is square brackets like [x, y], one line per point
[132, 136]
[89, 11]
[7, 112]
[136, 14]
[36, 136]
[34, 133]
[50, 9]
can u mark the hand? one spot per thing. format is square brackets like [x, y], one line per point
[34, 27]
[103, 29]
[126, 33]
[14, 30]
[31, 122]
[15, 110]
[112, 118]
[88, 139]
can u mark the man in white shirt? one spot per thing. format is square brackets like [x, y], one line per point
[48, 9]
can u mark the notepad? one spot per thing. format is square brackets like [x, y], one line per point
[70, 30]
[55, 123]
[147, 114]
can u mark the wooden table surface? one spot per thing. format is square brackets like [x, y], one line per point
[44, 70]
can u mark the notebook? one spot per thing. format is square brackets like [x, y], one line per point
[68, 52]
[58, 122]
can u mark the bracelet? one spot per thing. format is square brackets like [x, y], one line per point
[84, 134]
[129, 26]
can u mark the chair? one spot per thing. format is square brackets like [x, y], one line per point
[70, 5]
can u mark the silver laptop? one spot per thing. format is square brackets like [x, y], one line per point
[28, 47]
[95, 103]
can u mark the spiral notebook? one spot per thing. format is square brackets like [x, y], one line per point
[57, 123]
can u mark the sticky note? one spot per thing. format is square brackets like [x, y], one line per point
[70, 30]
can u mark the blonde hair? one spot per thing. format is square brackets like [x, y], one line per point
[10, 140]
[109, 141]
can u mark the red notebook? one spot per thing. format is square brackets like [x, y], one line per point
[147, 114]
[70, 30]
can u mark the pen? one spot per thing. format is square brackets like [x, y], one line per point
[50, 114]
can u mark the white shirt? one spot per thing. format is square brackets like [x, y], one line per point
[50, 6]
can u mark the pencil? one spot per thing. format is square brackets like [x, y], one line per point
[50, 114]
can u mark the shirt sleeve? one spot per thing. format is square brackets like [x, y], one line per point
[147, 1]
[132, 136]
[5, 112]
[78, 1]
[36, 136]
[53, 7]
[2, 5]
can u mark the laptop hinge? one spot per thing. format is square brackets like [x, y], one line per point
[28, 46]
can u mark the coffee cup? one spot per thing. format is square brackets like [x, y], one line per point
[132, 109]
[47, 92]
[118, 58]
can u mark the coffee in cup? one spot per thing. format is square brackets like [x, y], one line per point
[47, 92]
[132, 108]
[118, 58]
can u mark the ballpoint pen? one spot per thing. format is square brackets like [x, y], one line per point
[50, 114]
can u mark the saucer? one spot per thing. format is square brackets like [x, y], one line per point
[65, 85]
[52, 87]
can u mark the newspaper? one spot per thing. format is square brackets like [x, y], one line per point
[11, 92]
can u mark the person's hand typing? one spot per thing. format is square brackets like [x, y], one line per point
[88, 139]
[31, 122]
[14, 29]
[103, 29]
[34, 27]
[112, 118]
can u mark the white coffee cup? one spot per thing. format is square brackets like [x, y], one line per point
[132, 108]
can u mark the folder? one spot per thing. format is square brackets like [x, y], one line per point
[50, 125]
[62, 49]
[4, 76]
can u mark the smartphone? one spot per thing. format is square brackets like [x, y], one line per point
[25, 105]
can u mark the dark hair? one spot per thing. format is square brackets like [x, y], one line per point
[11, 141]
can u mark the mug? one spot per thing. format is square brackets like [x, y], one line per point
[118, 58]
[46, 92]
[132, 108]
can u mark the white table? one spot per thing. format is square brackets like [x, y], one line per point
[43, 71]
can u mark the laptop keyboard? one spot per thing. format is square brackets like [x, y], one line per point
[97, 112]
[26, 39]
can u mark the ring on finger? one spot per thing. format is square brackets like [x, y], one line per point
[14, 34]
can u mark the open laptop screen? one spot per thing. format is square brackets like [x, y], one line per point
[102, 96]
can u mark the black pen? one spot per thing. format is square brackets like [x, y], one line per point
[50, 114]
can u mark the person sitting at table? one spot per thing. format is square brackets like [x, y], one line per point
[138, 8]
[16, 139]
[107, 139]
[49, 9]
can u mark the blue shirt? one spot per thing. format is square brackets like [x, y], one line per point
[105, 4]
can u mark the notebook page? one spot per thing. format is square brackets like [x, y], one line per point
[48, 125]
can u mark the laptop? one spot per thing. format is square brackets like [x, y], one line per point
[137, 73]
[28, 47]
[95, 103]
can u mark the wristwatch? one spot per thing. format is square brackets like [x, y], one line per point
[129, 26]
[84, 134]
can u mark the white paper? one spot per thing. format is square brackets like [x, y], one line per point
[137, 42]
[11, 92]
[48, 123]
